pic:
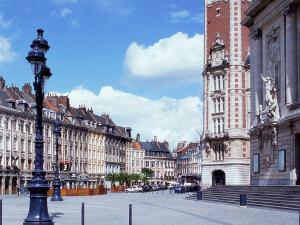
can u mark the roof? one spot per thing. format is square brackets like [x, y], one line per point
[60, 105]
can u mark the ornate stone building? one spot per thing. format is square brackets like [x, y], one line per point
[91, 145]
[225, 140]
[275, 96]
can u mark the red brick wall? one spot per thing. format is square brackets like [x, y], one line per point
[218, 24]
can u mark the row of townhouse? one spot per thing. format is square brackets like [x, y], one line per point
[188, 162]
[153, 155]
[91, 146]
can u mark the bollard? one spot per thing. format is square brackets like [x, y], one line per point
[40, 213]
[82, 213]
[243, 200]
[130, 214]
[199, 195]
[0, 211]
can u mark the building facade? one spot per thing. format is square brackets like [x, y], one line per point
[136, 157]
[225, 139]
[157, 157]
[188, 162]
[275, 75]
[91, 146]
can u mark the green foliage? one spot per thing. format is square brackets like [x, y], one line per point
[148, 172]
[112, 177]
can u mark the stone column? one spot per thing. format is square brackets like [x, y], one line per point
[10, 186]
[258, 88]
[291, 55]
[3, 186]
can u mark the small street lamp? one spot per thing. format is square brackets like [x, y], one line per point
[56, 196]
[38, 186]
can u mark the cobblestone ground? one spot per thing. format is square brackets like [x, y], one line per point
[148, 209]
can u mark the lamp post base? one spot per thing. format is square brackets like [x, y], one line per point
[38, 209]
[56, 196]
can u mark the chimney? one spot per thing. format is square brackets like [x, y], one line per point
[105, 116]
[166, 144]
[155, 138]
[27, 89]
[138, 137]
[128, 132]
[91, 110]
[65, 101]
[82, 107]
[2, 83]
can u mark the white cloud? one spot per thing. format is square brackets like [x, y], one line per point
[65, 12]
[176, 17]
[178, 58]
[4, 23]
[6, 52]
[168, 118]
[184, 16]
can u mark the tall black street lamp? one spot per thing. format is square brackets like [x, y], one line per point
[38, 186]
[56, 196]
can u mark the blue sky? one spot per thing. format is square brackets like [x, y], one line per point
[147, 49]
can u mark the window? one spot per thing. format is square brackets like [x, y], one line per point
[281, 160]
[256, 163]
[147, 164]
[152, 163]
[218, 125]
[218, 11]
[219, 151]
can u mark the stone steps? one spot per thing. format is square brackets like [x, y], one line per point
[276, 198]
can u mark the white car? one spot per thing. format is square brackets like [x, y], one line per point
[134, 189]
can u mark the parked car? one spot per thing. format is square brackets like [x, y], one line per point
[146, 188]
[155, 187]
[179, 189]
[134, 189]
[163, 187]
[172, 185]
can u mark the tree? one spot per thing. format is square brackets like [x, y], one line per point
[144, 178]
[127, 179]
[136, 177]
[122, 178]
[148, 172]
[112, 177]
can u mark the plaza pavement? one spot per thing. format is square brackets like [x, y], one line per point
[148, 209]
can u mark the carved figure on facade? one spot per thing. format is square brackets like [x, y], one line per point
[275, 136]
[274, 57]
[258, 113]
[270, 96]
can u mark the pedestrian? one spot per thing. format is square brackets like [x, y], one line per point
[18, 190]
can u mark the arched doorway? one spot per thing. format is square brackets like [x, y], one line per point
[218, 177]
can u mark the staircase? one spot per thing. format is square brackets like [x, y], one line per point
[276, 197]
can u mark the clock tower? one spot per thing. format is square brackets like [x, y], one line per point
[225, 139]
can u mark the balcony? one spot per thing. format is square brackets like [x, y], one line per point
[212, 135]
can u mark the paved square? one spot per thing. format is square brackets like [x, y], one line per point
[148, 209]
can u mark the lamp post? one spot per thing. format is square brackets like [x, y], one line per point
[38, 186]
[56, 196]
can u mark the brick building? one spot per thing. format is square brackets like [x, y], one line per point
[225, 140]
